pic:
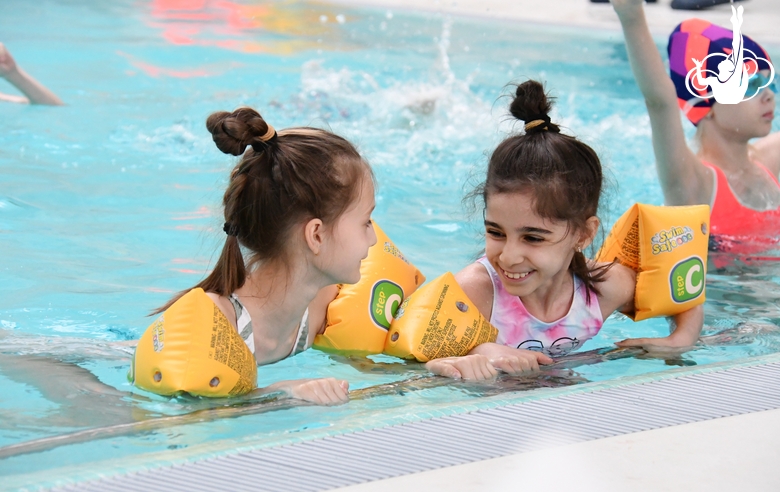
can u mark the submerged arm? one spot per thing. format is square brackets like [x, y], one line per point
[685, 181]
[686, 328]
[321, 391]
[617, 293]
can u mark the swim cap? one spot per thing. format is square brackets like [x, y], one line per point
[697, 38]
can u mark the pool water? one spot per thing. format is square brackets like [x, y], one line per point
[110, 204]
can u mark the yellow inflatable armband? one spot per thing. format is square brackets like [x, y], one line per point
[437, 321]
[193, 348]
[667, 247]
[359, 317]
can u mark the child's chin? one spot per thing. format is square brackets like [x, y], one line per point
[516, 290]
[353, 279]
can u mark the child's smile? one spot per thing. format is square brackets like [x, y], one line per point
[531, 253]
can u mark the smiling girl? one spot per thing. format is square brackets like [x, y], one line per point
[534, 284]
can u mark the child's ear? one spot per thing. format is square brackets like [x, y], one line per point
[313, 232]
[589, 232]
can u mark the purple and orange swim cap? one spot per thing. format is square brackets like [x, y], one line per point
[697, 38]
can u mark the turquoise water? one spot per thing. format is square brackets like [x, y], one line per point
[110, 204]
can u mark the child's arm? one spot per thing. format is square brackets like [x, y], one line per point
[684, 179]
[37, 93]
[686, 328]
[483, 360]
[323, 391]
[617, 294]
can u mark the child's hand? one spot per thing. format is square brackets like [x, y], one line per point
[685, 328]
[511, 360]
[325, 391]
[620, 5]
[628, 10]
[474, 366]
[661, 347]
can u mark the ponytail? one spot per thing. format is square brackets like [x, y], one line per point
[281, 180]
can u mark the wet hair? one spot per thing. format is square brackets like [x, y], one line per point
[563, 174]
[283, 179]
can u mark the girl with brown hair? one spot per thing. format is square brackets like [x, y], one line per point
[297, 222]
[534, 284]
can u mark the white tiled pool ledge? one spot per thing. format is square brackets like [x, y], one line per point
[561, 398]
[724, 454]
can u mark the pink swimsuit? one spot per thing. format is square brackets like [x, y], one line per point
[520, 329]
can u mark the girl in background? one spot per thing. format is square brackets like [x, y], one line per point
[737, 178]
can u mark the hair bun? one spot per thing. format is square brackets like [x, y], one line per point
[233, 132]
[532, 106]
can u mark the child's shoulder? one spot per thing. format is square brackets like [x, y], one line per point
[475, 281]
[224, 305]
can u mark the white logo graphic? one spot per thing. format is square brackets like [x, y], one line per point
[730, 84]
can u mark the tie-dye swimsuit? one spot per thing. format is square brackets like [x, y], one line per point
[520, 329]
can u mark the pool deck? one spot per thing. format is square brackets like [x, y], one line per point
[731, 453]
[761, 17]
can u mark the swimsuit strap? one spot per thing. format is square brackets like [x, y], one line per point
[302, 340]
[774, 178]
[243, 322]
[244, 326]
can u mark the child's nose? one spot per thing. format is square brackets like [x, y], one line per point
[372, 238]
[512, 254]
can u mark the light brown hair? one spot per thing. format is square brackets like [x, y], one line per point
[282, 180]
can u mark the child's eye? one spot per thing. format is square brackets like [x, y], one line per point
[534, 239]
[494, 233]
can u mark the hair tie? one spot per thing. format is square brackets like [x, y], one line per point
[266, 140]
[230, 229]
[269, 134]
[539, 122]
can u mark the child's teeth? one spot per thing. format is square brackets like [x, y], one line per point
[515, 275]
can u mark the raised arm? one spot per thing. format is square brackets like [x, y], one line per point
[685, 181]
[35, 92]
